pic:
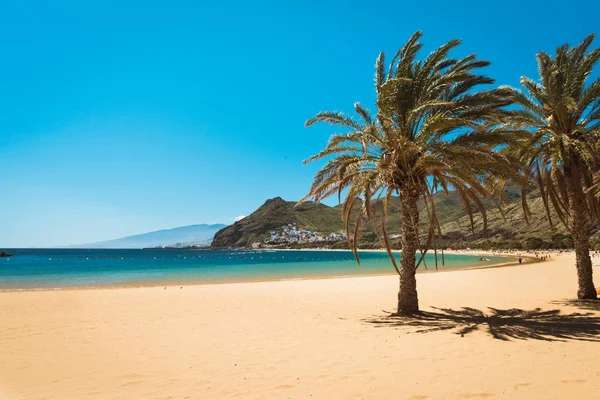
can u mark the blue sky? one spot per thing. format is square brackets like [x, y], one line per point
[122, 117]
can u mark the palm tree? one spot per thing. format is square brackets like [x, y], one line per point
[432, 132]
[562, 115]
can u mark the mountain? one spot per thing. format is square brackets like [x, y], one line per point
[454, 220]
[201, 234]
[273, 215]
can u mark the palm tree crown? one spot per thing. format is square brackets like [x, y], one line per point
[561, 114]
[432, 132]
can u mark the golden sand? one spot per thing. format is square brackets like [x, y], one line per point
[300, 339]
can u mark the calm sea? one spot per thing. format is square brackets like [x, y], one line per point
[60, 268]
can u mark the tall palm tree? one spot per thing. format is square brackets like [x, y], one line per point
[432, 132]
[562, 114]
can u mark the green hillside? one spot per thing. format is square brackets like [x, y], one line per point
[276, 213]
[273, 215]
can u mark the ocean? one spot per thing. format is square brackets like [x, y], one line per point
[70, 268]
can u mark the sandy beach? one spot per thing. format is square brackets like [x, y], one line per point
[327, 338]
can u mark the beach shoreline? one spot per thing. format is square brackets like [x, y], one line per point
[297, 339]
[200, 282]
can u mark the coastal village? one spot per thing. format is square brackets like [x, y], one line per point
[291, 233]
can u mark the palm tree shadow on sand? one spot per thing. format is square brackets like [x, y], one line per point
[590, 305]
[550, 325]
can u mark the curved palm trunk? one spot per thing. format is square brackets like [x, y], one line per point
[580, 228]
[408, 301]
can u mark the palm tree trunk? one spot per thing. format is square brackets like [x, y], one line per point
[580, 228]
[408, 301]
[583, 262]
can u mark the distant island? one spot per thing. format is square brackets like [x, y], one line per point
[4, 254]
[180, 237]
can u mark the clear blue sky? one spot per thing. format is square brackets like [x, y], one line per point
[120, 117]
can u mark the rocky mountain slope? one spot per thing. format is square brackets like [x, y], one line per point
[454, 220]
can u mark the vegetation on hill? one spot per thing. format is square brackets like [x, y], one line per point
[274, 214]
[508, 231]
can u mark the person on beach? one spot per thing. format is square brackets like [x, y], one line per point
[520, 260]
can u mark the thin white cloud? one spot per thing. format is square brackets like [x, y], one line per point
[236, 219]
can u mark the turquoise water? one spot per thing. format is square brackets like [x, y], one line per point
[60, 268]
